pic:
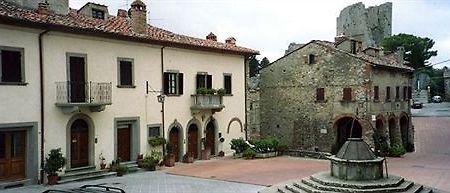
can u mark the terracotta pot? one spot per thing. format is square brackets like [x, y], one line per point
[102, 166]
[170, 160]
[206, 154]
[52, 180]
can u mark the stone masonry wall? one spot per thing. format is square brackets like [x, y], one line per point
[369, 25]
[447, 83]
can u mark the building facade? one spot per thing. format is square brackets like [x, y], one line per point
[97, 85]
[322, 93]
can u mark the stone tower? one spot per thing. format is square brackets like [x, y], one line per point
[447, 83]
[369, 25]
[138, 15]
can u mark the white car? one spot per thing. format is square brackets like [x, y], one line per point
[436, 99]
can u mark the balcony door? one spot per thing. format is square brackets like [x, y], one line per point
[12, 155]
[77, 79]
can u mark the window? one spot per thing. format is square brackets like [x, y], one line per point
[320, 94]
[311, 59]
[11, 65]
[376, 93]
[409, 92]
[347, 94]
[227, 84]
[153, 131]
[204, 81]
[405, 93]
[126, 73]
[397, 93]
[388, 93]
[353, 47]
[98, 14]
[173, 83]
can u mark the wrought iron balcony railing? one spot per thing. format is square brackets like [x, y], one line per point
[207, 102]
[83, 93]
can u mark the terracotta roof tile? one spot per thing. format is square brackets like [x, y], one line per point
[113, 26]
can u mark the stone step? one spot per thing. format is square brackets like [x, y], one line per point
[326, 179]
[80, 169]
[283, 189]
[306, 188]
[312, 184]
[415, 189]
[87, 177]
[132, 166]
[79, 174]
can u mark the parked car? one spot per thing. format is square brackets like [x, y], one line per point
[417, 105]
[436, 99]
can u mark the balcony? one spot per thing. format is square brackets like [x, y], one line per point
[70, 96]
[201, 102]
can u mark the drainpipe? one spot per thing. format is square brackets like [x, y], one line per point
[245, 92]
[162, 92]
[41, 87]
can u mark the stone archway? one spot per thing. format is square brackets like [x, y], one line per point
[392, 123]
[380, 139]
[404, 130]
[175, 141]
[346, 127]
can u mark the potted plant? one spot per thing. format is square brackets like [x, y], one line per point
[202, 91]
[221, 91]
[169, 160]
[156, 141]
[139, 159]
[102, 161]
[149, 163]
[117, 167]
[188, 158]
[54, 162]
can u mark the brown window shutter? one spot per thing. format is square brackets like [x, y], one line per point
[388, 93]
[405, 93]
[126, 73]
[376, 93]
[227, 84]
[166, 83]
[209, 81]
[397, 92]
[180, 83]
[347, 94]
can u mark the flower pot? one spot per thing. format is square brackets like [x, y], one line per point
[170, 160]
[206, 153]
[102, 166]
[52, 179]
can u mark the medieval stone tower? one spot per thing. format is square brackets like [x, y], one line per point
[369, 25]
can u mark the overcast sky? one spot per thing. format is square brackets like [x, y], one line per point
[270, 25]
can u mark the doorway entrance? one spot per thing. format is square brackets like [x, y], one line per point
[77, 79]
[174, 141]
[211, 137]
[192, 148]
[404, 125]
[392, 128]
[124, 142]
[347, 127]
[12, 155]
[79, 144]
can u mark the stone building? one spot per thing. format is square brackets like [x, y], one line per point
[253, 109]
[369, 25]
[322, 93]
[446, 83]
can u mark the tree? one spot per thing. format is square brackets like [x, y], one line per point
[265, 62]
[417, 49]
[254, 66]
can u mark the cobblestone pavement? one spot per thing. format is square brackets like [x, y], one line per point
[153, 182]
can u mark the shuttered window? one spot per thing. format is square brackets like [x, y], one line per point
[347, 94]
[376, 93]
[320, 94]
[397, 93]
[11, 66]
[388, 93]
[126, 73]
[227, 84]
[409, 92]
[405, 93]
[173, 83]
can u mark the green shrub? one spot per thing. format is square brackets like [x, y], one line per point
[54, 162]
[282, 148]
[156, 141]
[396, 150]
[239, 145]
[211, 91]
[265, 145]
[202, 91]
[151, 161]
[221, 91]
[249, 153]
[381, 145]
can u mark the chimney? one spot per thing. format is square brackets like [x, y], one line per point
[230, 41]
[138, 15]
[122, 13]
[212, 37]
[400, 54]
[340, 38]
[43, 8]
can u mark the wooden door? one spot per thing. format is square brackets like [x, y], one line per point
[193, 141]
[210, 138]
[12, 155]
[79, 146]
[124, 143]
[174, 141]
[77, 79]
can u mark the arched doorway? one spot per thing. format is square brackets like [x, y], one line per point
[347, 127]
[79, 144]
[192, 147]
[211, 137]
[392, 128]
[404, 125]
[380, 139]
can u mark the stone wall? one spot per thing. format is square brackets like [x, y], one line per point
[369, 25]
[253, 108]
[446, 83]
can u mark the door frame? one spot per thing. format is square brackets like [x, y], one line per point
[32, 148]
[216, 133]
[181, 141]
[135, 135]
[196, 122]
[91, 131]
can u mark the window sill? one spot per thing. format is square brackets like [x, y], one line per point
[14, 83]
[173, 95]
[126, 86]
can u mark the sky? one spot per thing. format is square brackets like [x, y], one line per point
[270, 26]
